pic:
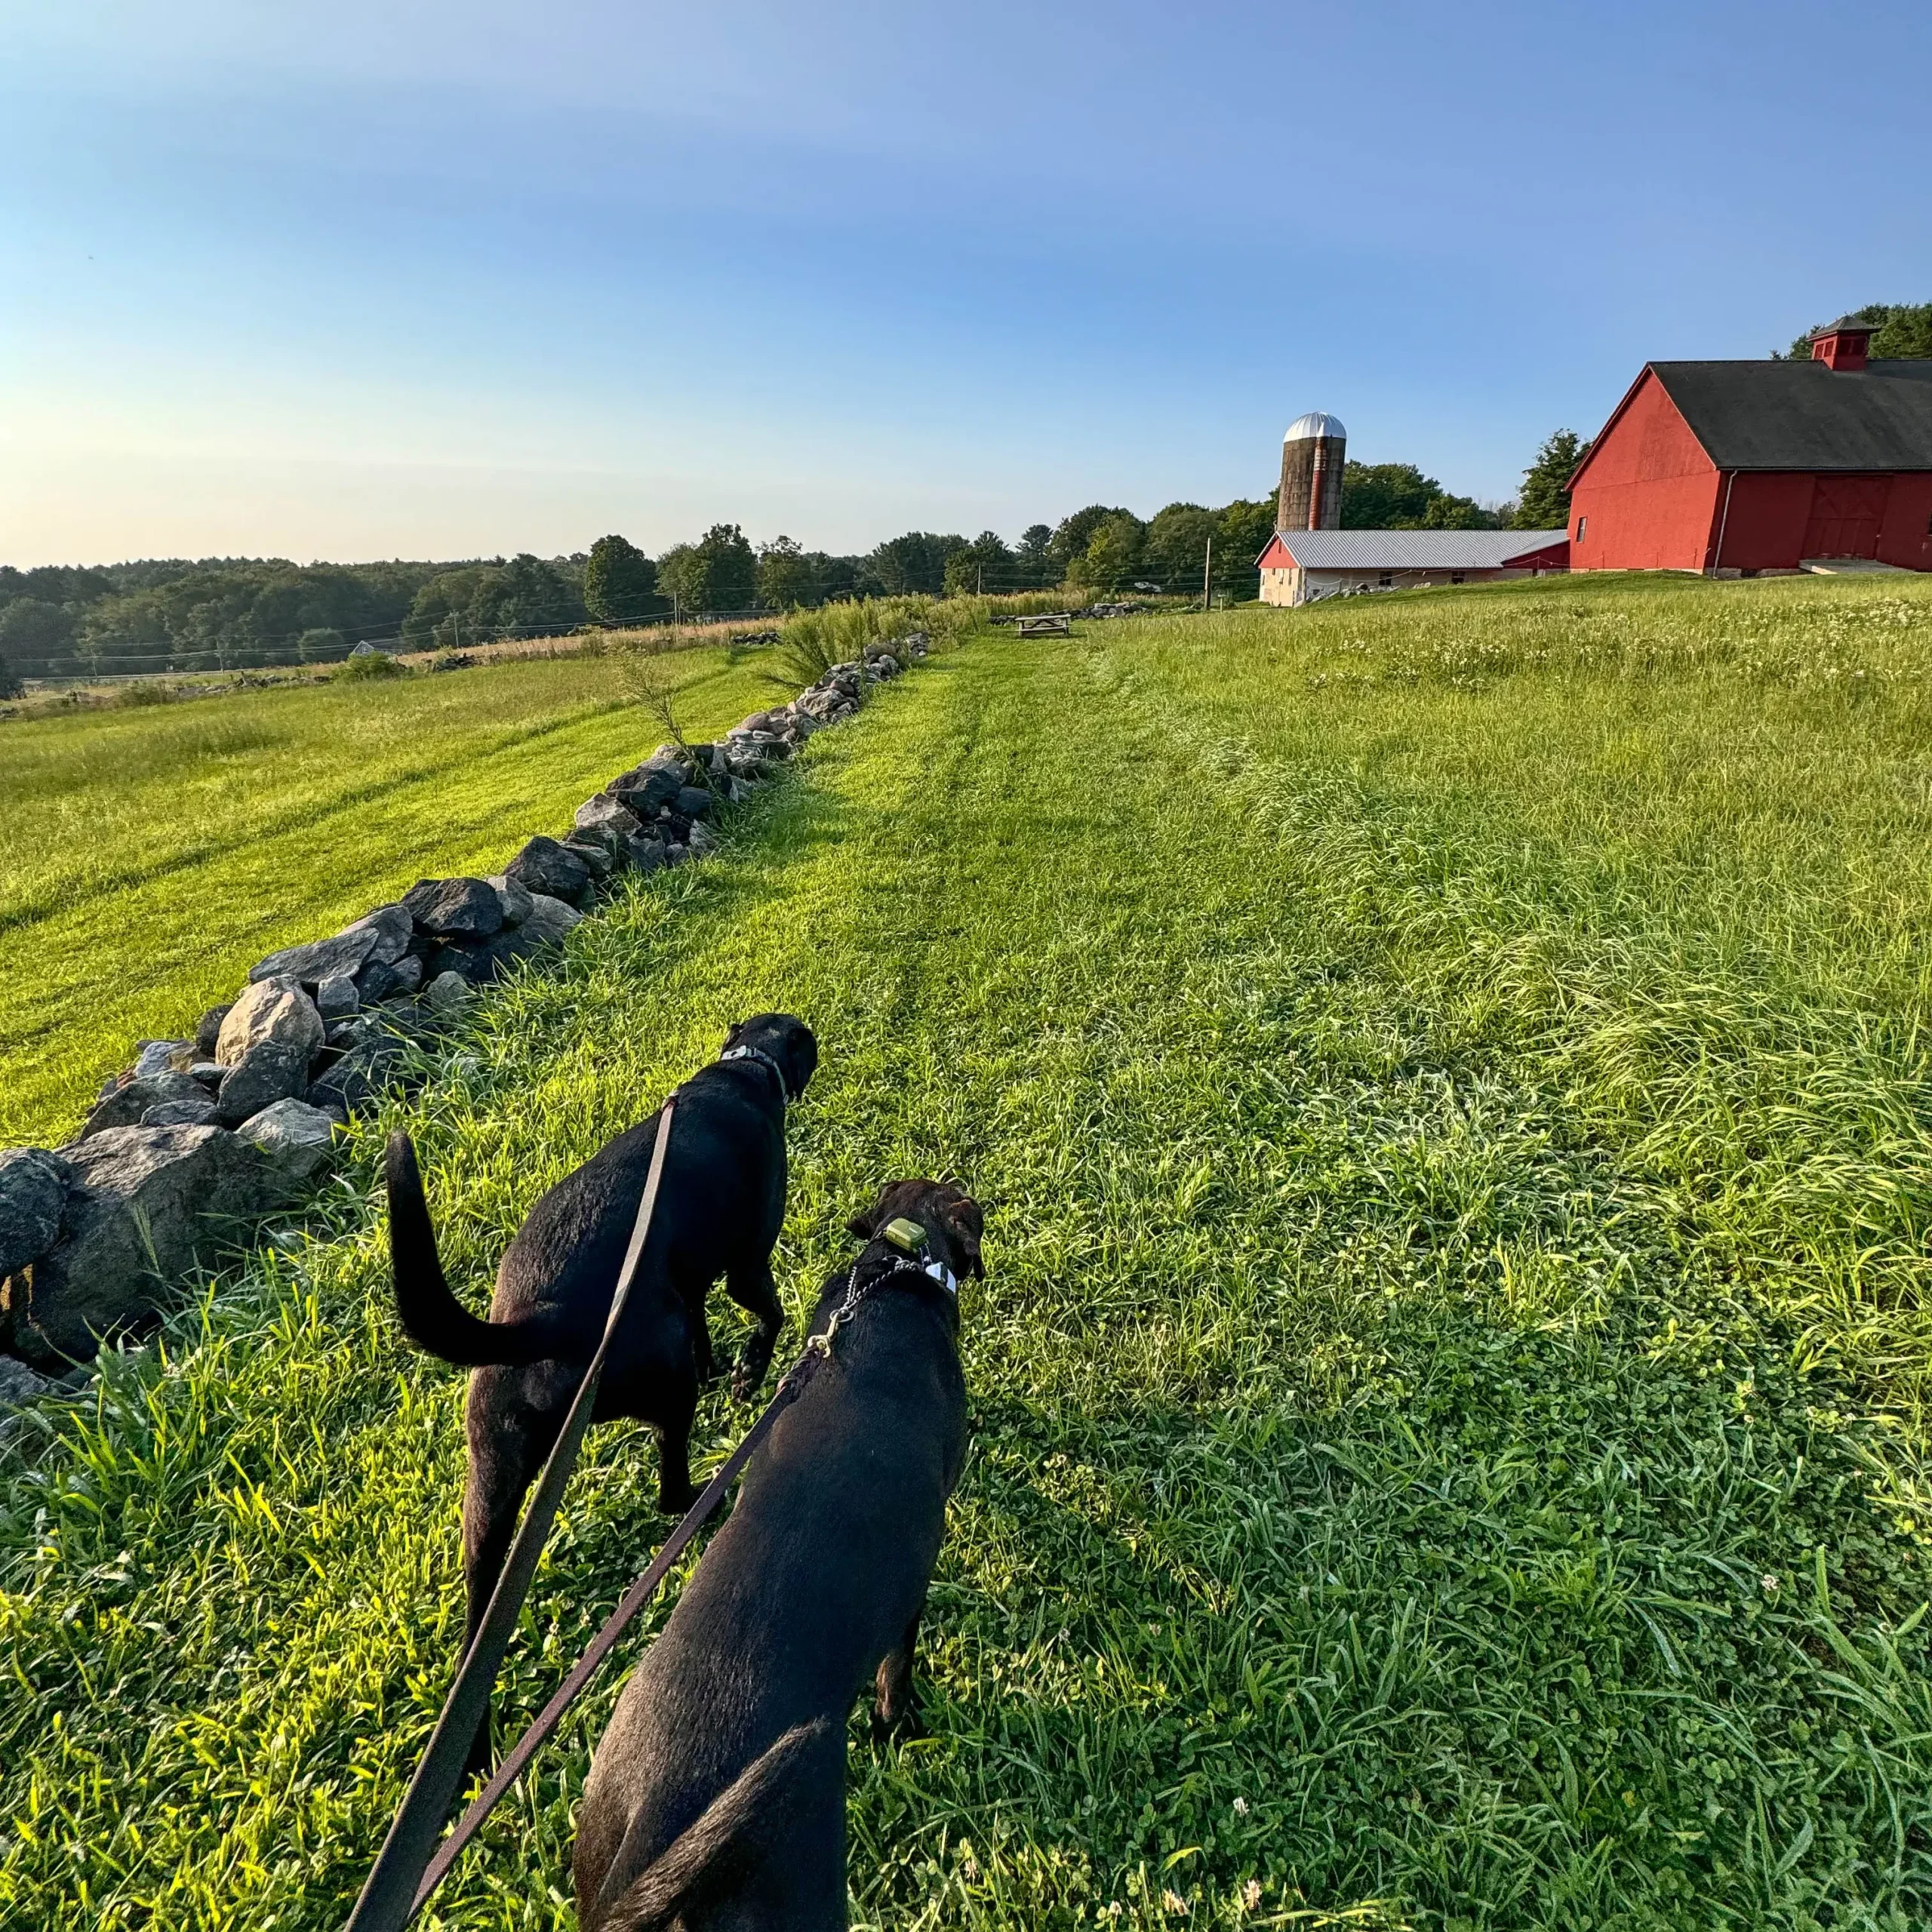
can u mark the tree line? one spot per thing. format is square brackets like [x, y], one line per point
[235, 613]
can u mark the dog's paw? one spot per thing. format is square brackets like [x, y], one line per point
[675, 1502]
[746, 1379]
[903, 1727]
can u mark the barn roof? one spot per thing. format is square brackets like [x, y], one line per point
[1804, 416]
[1414, 550]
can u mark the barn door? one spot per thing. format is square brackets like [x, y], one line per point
[1846, 512]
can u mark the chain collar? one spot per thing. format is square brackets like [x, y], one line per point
[764, 1059]
[858, 1293]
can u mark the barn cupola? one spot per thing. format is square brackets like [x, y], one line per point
[1844, 344]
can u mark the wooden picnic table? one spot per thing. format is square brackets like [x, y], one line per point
[1059, 624]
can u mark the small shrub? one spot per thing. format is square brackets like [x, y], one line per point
[144, 692]
[374, 664]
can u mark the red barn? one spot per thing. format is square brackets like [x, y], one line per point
[1740, 467]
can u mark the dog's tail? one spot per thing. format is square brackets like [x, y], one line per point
[698, 1864]
[431, 1316]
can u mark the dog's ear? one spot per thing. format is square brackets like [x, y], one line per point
[866, 1223]
[967, 1223]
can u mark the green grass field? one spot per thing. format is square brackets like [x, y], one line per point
[1450, 1076]
[151, 856]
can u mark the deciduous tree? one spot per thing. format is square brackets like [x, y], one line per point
[620, 583]
[1901, 330]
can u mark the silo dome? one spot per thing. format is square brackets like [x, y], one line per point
[1315, 424]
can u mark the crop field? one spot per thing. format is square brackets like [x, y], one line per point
[152, 855]
[1448, 1073]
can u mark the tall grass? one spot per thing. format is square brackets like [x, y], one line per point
[811, 642]
[1449, 1448]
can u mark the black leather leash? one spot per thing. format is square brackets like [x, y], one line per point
[389, 1896]
[646, 1587]
[411, 1864]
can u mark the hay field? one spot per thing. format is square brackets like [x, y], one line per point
[149, 855]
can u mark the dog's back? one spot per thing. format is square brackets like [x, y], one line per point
[717, 1794]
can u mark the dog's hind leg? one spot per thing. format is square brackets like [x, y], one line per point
[508, 1438]
[676, 1403]
[750, 1285]
[895, 1708]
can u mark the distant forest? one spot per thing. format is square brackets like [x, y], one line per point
[231, 612]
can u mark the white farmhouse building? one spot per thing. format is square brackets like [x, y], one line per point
[1299, 566]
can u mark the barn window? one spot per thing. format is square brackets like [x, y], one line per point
[1386, 580]
[1456, 576]
[1583, 524]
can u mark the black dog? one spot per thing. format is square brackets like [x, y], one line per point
[720, 1206]
[717, 1795]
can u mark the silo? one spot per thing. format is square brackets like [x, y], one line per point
[1312, 456]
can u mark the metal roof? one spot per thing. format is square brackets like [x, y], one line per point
[1414, 550]
[1804, 416]
[1315, 424]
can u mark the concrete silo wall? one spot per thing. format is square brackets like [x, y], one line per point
[1304, 460]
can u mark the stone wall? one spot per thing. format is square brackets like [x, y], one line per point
[201, 1137]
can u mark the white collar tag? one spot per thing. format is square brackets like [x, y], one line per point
[939, 1271]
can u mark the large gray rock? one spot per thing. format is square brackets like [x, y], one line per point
[341, 958]
[604, 818]
[19, 1384]
[270, 1072]
[130, 1104]
[514, 899]
[336, 998]
[384, 979]
[645, 790]
[695, 801]
[201, 1112]
[146, 1204]
[454, 908]
[295, 1136]
[544, 866]
[447, 994]
[598, 858]
[393, 930]
[550, 919]
[644, 853]
[160, 1056]
[33, 1184]
[277, 1009]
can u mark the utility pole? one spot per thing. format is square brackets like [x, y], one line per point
[1207, 577]
[980, 581]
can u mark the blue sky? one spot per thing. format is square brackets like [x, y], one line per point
[399, 277]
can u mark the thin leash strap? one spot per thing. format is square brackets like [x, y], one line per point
[389, 1895]
[639, 1594]
[647, 1587]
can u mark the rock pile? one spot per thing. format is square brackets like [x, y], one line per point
[200, 1136]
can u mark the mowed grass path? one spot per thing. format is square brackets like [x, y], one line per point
[1448, 1074]
[148, 857]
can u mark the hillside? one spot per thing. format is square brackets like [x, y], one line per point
[1449, 1075]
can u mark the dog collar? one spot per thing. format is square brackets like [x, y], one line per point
[764, 1059]
[906, 1234]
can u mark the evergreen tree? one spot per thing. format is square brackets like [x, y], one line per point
[1034, 558]
[1545, 502]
